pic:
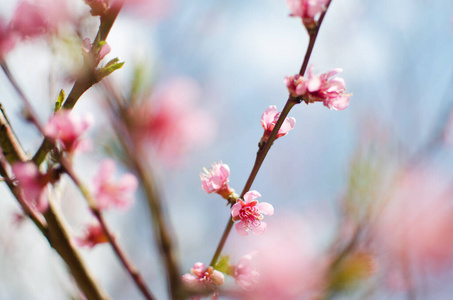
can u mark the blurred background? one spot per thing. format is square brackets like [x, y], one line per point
[394, 141]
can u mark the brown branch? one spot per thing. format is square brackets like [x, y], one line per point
[87, 78]
[262, 152]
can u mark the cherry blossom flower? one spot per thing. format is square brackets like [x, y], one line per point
[250, 213]
[414, 228]
[7, 39]
[32, 183]
[323, 88]
[203, 280]
[67, 127]
[306, 9]
[268, 120]
[245, 273]
[32, 19]
[171, 123]
[216, 180]
[94, 234]
[290, 265]
[108, 192]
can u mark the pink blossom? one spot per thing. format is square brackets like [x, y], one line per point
[245, 272]
[323, 88]
[35, 18]
[110, 193]
[216, 180]
[149, 9]
[306, 9]
[7, 39]
[268, 120]
[67, 127]
[414, 229]
[203, 280]
[94, 234]
[249, 213]
[32, 183]
[290, 264]
[171, 123]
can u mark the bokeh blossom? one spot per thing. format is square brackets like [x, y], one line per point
[324, 88]
[245, 272]
[250, 213]
[268, 120]
[306, 9]
[216, 180]
[289, 259]
[67, 128]
[7, 39]
[93, 235]
[108, 192]
[203, 280]
[413, 231]
[32, 183]
[171, 122]
[39, 17]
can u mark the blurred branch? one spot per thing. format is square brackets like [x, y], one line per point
[87, 78]
[136, 159]
[125, 260]
[262, 152]
[56, 231]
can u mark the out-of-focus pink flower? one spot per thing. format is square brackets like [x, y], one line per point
[250, 213]
[203, 280]
[149, 9]
[323, 88]
[32, 183]
[216, 180]
[290, 265]
[38, 17]
[108, 192]
[93, 235]
[7, 39]
[245, 272]
[306, 9]
[268, 120]
[105, 49]
[171, 123]
[98, 7]
[67, 127]
[414, 229]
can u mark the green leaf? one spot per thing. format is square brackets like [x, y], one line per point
[223, 265]
[109, 68]
[60, 100]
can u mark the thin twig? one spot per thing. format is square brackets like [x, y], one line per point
[262, 152]
[163, 232]
[125, 260]
[87, 78]
[53, 227]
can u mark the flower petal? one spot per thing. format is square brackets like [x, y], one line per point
[251, 195]
[266, 208]
[259, 229]
[235, 209]
[240, 229]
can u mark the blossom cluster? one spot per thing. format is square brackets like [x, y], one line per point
[202, 279]
[307, 10]
[323, 88]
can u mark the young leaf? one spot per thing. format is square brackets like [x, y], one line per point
[60, 100]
